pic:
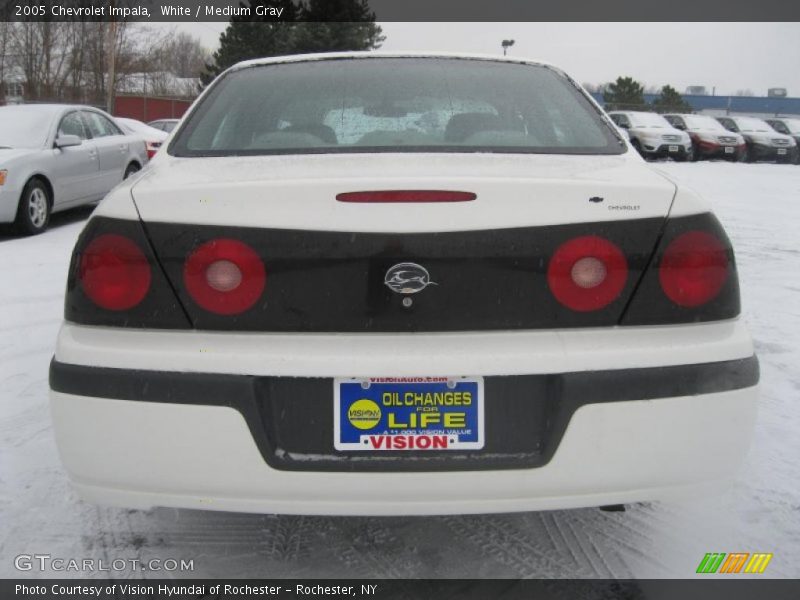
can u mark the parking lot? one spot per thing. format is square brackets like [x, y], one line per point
[760, 208]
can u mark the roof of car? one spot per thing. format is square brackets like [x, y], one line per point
[373, 54]
[48, 108]
[633, 112]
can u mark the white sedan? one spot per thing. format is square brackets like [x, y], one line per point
[54, 157]
[400, 284]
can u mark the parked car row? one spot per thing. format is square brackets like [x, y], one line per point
[695, 137]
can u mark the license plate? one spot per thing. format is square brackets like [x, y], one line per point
[729, 150]
[674, 148]
[408, 413]
[781, 150]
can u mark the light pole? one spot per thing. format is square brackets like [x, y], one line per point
[506, 44]
[112, 64]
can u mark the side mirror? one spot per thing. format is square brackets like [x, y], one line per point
[65, 141]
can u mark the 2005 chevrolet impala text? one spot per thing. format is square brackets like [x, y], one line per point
[400, 284]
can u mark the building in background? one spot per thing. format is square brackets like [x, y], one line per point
[756, 106]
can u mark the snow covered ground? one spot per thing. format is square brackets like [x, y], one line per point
[760, 207]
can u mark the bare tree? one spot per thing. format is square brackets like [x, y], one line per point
[40, 54]
[68, 61]
[5, 27]
[184, 55]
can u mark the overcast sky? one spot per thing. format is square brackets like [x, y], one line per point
[728, 56]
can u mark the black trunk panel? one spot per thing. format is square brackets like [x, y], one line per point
[319, 281]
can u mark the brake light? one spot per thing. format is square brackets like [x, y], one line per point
[152, 148]
[587, 273]
[114, 272]
[399, 196]
[224, 276]
[693, 269]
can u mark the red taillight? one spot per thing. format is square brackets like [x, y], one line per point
[114, 272]
[224, 276]
[400, 196]
[587, 273]
[152, 148]
[693, 269]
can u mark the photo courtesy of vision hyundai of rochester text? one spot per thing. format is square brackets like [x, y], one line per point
[393, 284]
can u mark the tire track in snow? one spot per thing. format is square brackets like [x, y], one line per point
[528, 550]
[368, 547]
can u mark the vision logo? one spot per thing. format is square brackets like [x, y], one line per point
[364, 414]
[737, 562]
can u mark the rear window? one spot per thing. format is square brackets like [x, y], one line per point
[394, 105]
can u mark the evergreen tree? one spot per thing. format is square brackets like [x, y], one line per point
[318, 26]
[253, 37]
[337, 26]
[624, 94]
[670, 100]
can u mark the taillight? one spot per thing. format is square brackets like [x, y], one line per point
[114, 272]
[587, 273]
[224, 276]
[152, 148]
[693, 269]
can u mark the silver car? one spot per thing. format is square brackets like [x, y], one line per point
[54, 157]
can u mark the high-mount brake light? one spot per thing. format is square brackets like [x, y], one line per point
[587, 273]
[693, 269]
[114, 272]
[224, 276]
[407, 196]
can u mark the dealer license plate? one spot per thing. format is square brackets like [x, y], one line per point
[781, 150]
[408, 413]
[729, 150]
[674, 148]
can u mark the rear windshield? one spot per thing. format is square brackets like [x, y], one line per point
[391, 105]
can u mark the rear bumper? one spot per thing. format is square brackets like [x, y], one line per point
[140, 455]
[178, 438]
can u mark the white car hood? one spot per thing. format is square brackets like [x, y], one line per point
[8, 155]
[299, 191]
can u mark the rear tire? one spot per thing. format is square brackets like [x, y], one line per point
[35, 205]
[131, 169]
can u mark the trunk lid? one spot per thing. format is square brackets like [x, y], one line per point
[327, 262]
[299, 191]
